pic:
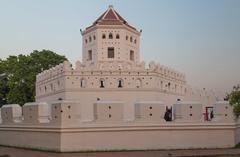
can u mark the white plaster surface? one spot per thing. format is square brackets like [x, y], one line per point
[11, 113]
[36, 113]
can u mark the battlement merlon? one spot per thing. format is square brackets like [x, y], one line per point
[66, 66]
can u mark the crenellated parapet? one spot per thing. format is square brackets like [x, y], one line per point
[69, 113]
[110, 75]
[111, 66]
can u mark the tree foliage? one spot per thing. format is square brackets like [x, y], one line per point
[3, 84]
[18, 75]
[234, 100]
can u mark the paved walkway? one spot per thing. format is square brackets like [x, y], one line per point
[17, 152]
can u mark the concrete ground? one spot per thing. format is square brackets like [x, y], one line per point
[17, 152]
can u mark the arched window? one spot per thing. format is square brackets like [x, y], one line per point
[86, 41]
[117, 36]
[83, 83]
[135, 41]
[131, 39]
[90, 38]
[120, 83]
[126, 37]
[102, 83]
[104, 36]
[138, 83]
[110, 36]
[94, 37]
[169, 85]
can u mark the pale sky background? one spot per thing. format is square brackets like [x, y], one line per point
[199, 38]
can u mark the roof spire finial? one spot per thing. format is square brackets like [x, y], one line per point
[110, 6]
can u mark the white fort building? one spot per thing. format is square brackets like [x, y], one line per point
[113, 101]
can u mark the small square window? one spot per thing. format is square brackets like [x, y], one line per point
[111, 52]
[131, 55]
[89, 57]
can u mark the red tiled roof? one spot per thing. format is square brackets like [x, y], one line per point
[110, 17]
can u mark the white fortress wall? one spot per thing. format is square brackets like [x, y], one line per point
[67, 126]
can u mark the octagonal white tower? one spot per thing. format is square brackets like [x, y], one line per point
[110, 39]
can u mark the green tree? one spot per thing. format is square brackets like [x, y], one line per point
[3, 84]
[234, 99]
[20, 75]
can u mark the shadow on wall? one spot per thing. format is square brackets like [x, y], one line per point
[5, 155]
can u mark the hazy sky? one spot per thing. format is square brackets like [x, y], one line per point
[200, 38]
